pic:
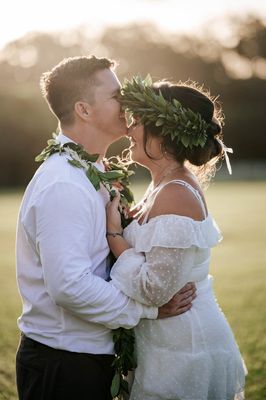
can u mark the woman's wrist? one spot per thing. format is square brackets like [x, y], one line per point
[114, 233]
[117, 243]
[114, 228]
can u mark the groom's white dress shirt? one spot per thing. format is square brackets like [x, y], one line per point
[61, 263]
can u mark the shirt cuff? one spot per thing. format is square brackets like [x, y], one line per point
[149, 312]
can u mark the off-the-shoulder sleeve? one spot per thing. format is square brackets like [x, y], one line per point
[161, 261]
[176, 231]
[154, 277]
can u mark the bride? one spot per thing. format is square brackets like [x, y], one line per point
[194, 356]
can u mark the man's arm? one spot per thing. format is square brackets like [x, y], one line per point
[65, 238]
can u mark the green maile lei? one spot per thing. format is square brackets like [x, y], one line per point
[115, 175]
[183, 125]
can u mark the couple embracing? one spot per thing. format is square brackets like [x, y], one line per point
[159, 284]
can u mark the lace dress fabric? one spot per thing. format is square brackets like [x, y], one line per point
[193, 356]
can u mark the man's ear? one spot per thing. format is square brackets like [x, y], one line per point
[83, 110]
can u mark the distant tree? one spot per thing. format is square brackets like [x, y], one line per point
[252, 43]
[26, 123]
[184, 57]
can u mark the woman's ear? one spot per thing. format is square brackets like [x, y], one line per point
[83, 110]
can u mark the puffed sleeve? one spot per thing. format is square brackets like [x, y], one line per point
[152, 278]
[162, 257]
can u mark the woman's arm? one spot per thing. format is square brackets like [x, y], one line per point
[150, 278]
[155, 277]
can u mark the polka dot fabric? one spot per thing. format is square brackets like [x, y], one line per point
[193, 356]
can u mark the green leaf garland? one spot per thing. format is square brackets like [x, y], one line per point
[124, 341]
[79, 158]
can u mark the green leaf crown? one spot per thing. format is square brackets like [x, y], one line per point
[183, 125]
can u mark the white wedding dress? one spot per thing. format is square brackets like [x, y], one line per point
[193, 356]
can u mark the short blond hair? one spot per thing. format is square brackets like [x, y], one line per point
[69, 81]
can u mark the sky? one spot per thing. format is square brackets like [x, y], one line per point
[19, 17]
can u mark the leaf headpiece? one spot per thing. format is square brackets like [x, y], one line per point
[184, 126]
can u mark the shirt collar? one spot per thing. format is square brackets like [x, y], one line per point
[65, 139]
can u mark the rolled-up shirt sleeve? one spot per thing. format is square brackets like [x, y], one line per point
[64, 221]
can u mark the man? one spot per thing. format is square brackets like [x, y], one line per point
[69, 308]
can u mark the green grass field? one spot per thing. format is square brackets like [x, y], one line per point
[238, 266]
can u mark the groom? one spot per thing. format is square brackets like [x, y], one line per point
[69, 308]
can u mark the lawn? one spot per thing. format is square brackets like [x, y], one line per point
[238, 266]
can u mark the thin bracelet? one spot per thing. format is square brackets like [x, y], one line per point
[114, 234]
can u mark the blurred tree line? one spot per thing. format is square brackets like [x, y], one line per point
[234, 69]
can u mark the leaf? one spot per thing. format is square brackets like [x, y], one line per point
[185, 140]
[93, 177]
[148, 80]
[112, 175]
[177, 103]
[52, 142]
[138, 96]
[128, 194]
[91, 157]
[40, 158]
[124, 386]
[159, 122]
[72, 146]
[115, 385]
[75, 163]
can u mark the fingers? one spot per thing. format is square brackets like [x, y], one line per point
[189, 293]
[170, 310]
[184, 309]
[113, 214]
[182, 299]
[186, 301]
[115, 202]
[181, 296]
[179, 304]
[188, 286]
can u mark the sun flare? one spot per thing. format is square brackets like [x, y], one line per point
[17, 18]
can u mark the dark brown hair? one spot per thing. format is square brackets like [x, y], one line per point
[198, 100]
[69, 81]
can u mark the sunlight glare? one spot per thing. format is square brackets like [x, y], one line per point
[17, 17]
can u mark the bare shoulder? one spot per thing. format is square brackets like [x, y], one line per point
[178, 200]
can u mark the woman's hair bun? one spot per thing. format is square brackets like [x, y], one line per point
[214, 128]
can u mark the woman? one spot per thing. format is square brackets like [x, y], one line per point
[193, 356]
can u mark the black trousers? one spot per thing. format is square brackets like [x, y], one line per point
[44, 373]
